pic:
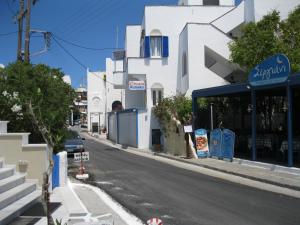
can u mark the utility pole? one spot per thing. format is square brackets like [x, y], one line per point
[20, 32]
[27, 34]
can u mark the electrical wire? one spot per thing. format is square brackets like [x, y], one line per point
[10, 8]
[85, 67]
[83, 47]
[9, 33]
[84, 15]
[78, 61]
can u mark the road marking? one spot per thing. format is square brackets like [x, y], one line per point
[104, 182]
[129, 218]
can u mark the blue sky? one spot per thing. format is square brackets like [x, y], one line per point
[91, 23]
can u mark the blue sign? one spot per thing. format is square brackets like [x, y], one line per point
[228, 140]
[275, 69]
[215, 143]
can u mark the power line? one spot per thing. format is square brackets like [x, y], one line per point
[78, 61]
[83, 47]
[97, 13]
[9, 33]
[82, 16]
[10, 8]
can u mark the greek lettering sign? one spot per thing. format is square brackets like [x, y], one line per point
[85, 156]
[201, 143]
[137, 85]
[215, 143]
[275, 69]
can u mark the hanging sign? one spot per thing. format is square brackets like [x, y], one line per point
[274, 69]
[137, 85]
[201, 143]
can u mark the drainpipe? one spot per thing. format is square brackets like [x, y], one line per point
[249, 11]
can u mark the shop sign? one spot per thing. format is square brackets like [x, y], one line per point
[275, 69]
[137, 85]
[201, 143]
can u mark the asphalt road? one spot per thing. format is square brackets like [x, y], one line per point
[149, 188]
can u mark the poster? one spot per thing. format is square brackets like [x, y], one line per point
[201, 143]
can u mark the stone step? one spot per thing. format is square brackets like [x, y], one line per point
[16, 209]
[16, 193]
[11, 182]
[6, 172]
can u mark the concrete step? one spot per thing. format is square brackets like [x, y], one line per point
[16, 193]
[6, 172]
[11, 182]
[16, 209]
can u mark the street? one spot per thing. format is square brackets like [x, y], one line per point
[148, 188]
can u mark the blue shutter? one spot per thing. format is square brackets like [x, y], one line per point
[237, 2]
[147, 47]
[165, 45]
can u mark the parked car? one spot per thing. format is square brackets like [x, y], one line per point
[74, 143]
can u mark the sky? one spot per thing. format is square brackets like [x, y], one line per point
[89, 23]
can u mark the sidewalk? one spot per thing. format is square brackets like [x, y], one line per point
[82, 203]
[267, 173]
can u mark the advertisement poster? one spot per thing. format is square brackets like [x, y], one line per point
[201, 143]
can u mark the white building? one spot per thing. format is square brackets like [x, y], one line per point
[178, 49]
[100, 96]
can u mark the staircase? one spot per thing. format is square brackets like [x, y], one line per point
[16, 193]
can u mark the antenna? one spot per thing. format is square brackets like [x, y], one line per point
[117, 40]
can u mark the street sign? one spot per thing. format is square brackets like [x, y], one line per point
[188, 129]
[137, 85]
[275, 69]
[84, 156]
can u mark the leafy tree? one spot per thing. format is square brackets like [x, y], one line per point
[268, 37]
[176, 109]
[34, 98]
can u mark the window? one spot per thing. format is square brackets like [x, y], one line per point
[211, 2]
[157, 93]
[184, 64]
[155, 44]
[157, 96]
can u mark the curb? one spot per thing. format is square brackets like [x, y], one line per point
[232, 173]
[292, 187]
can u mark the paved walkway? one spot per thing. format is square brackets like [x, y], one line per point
[84, 203]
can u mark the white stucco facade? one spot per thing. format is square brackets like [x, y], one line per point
[197, 35]
[96, 100]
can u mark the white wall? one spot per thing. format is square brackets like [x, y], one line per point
[200, 2]
[132, 37]
[96, 98]
[200, 36]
